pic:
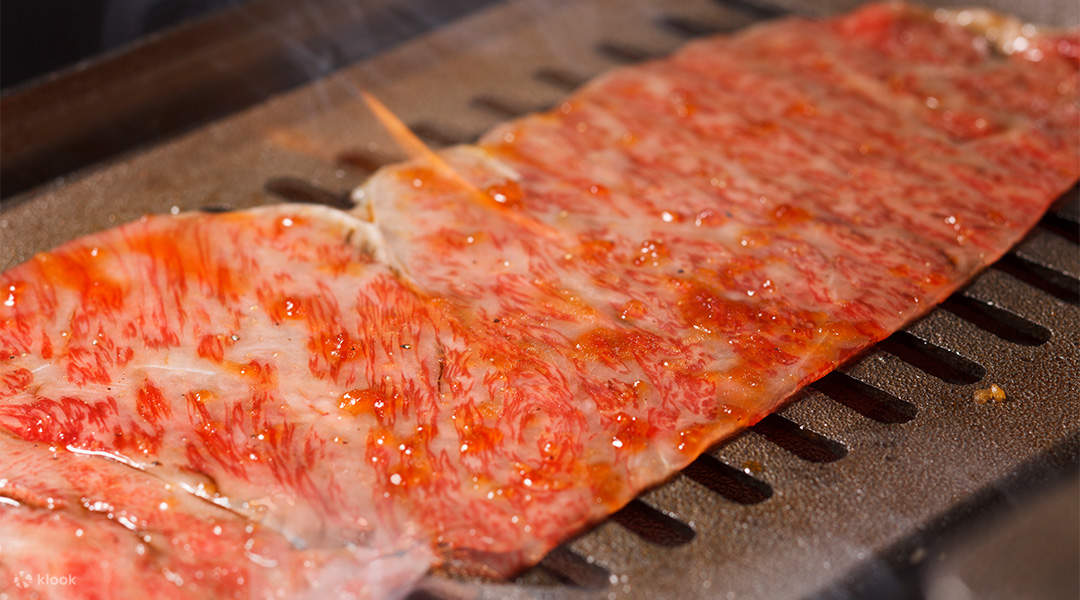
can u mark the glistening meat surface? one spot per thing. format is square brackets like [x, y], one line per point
[186, 410]
[529, 332]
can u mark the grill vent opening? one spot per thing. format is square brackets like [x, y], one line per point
[690, 28]
[503, 108]
[652, 525]
[559, 78]
[424, 595]
[1000, 322]
[496, 106]
[574, 569]
[294, 189]
[933, 360]
[798, 440]
[368, 162]
[865, 399]
[624, 53]
[437, 136]
[215, 209]
[727, 481]
[754, 9]
[1055, 283]
[1062, 227]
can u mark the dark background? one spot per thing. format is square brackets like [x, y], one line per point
[40, 36]
[208, 59]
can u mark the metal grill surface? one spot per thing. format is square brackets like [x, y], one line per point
[834, 491]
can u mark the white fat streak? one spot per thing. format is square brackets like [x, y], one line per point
[200, 492]
[260, 560]
[120, 458]
[178, 369]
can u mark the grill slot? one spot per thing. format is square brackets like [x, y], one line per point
[727, 481]
[867, 400]
[754, 9]
[1062, 227]
[934, 360]
[1055, 283]
[573, 568]
[367, 162]
[689, 28]
[624, 53]
[562, 79]
[294, 189]
[799, 440]
[439, 136]
[1068, 206]
[998, 321]
[214, 209]
[503, 108]
[652, 525]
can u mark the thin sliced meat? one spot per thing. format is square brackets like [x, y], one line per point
[193, 393]
[515, 348]
[692, 240]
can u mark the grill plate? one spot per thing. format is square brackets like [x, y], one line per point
[816, 497]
